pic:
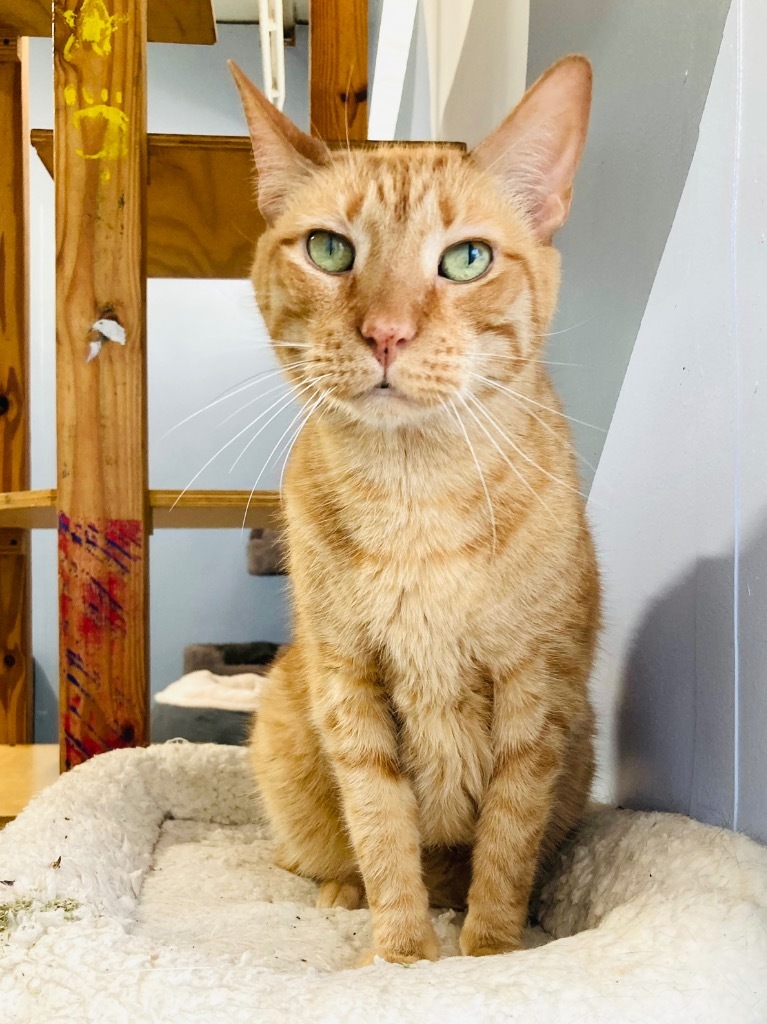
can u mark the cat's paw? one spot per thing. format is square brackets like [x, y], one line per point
[469, 949]
[479, 941]
[403, 953]
[339, 894]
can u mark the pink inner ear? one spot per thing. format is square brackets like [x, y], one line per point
[535, 152]
[283, 153]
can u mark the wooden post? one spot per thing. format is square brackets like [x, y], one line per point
[338, 69]
[100, 174]
[16, 693]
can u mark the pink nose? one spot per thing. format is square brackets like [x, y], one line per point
[387, 336]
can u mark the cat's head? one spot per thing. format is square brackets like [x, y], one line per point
[403, 275]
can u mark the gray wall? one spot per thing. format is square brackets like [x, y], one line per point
[679, 502]
[653, 61]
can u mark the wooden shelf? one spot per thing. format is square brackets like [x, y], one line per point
[24, 771]
[209, 510]
[202, 217]
[168, 21]
[204, 510]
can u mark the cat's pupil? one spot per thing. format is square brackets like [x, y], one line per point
[472, 254]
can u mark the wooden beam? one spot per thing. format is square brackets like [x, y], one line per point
[16, 680]
[169, 21]
[100, 156]
[338, 69]
[203, 510]
[215, 509]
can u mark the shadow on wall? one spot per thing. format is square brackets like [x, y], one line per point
[677, 710]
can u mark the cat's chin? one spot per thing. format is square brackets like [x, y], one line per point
[387, 407]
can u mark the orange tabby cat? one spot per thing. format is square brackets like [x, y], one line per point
[429, 727]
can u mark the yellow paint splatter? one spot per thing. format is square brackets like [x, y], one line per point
[92, 27]
[114, 141]
[106, 174]
[70, 95]
[87, 96]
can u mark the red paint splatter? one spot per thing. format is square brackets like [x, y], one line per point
[95, 601]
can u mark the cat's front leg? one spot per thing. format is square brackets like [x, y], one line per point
[528, 743]
[381, 814]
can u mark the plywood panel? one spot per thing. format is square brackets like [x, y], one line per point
[100, 157]
[170, 21]
[202, 217]
[16, 697]
[338, 69]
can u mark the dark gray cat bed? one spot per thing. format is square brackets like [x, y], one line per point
[266, 554]
[230, 659]
[212, 724]
[199, 725]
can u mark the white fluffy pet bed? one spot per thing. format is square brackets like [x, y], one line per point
[140, 887]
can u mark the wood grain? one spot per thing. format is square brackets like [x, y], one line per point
[215, 509]
[338, 69]
[100, 158]
[169, 21]
[208, 510]
[16, 680]
[202, 217]
[24, 771]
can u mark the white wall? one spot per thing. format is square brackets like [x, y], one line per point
[653, 61]
[203, 337]
[682, 519]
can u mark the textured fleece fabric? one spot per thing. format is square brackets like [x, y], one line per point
[140, 888]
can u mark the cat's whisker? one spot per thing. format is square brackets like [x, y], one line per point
[235, 390]
[552, 431]
[265, 374]
[574, 327]
[524, 398]
[525, 359]
[346, 108]
[523, 455]
[324, 403]
[286, 400]
[269, 458]
[505, 457]
[282, 384]
[465, 433]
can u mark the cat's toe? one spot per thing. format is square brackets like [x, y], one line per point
[394, 956]
[490, 950]
[339, 894]
[481, 945]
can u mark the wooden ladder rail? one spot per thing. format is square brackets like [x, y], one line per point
[16, 678]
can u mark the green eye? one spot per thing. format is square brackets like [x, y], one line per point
[330, 252]
[465, 261]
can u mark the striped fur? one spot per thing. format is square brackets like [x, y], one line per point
[428, 731]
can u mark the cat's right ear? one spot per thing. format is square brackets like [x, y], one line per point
[284, 154]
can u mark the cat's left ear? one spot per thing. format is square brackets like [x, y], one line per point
[284, 154]
[537, 149]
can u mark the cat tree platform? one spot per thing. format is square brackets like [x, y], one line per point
[141, 887]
